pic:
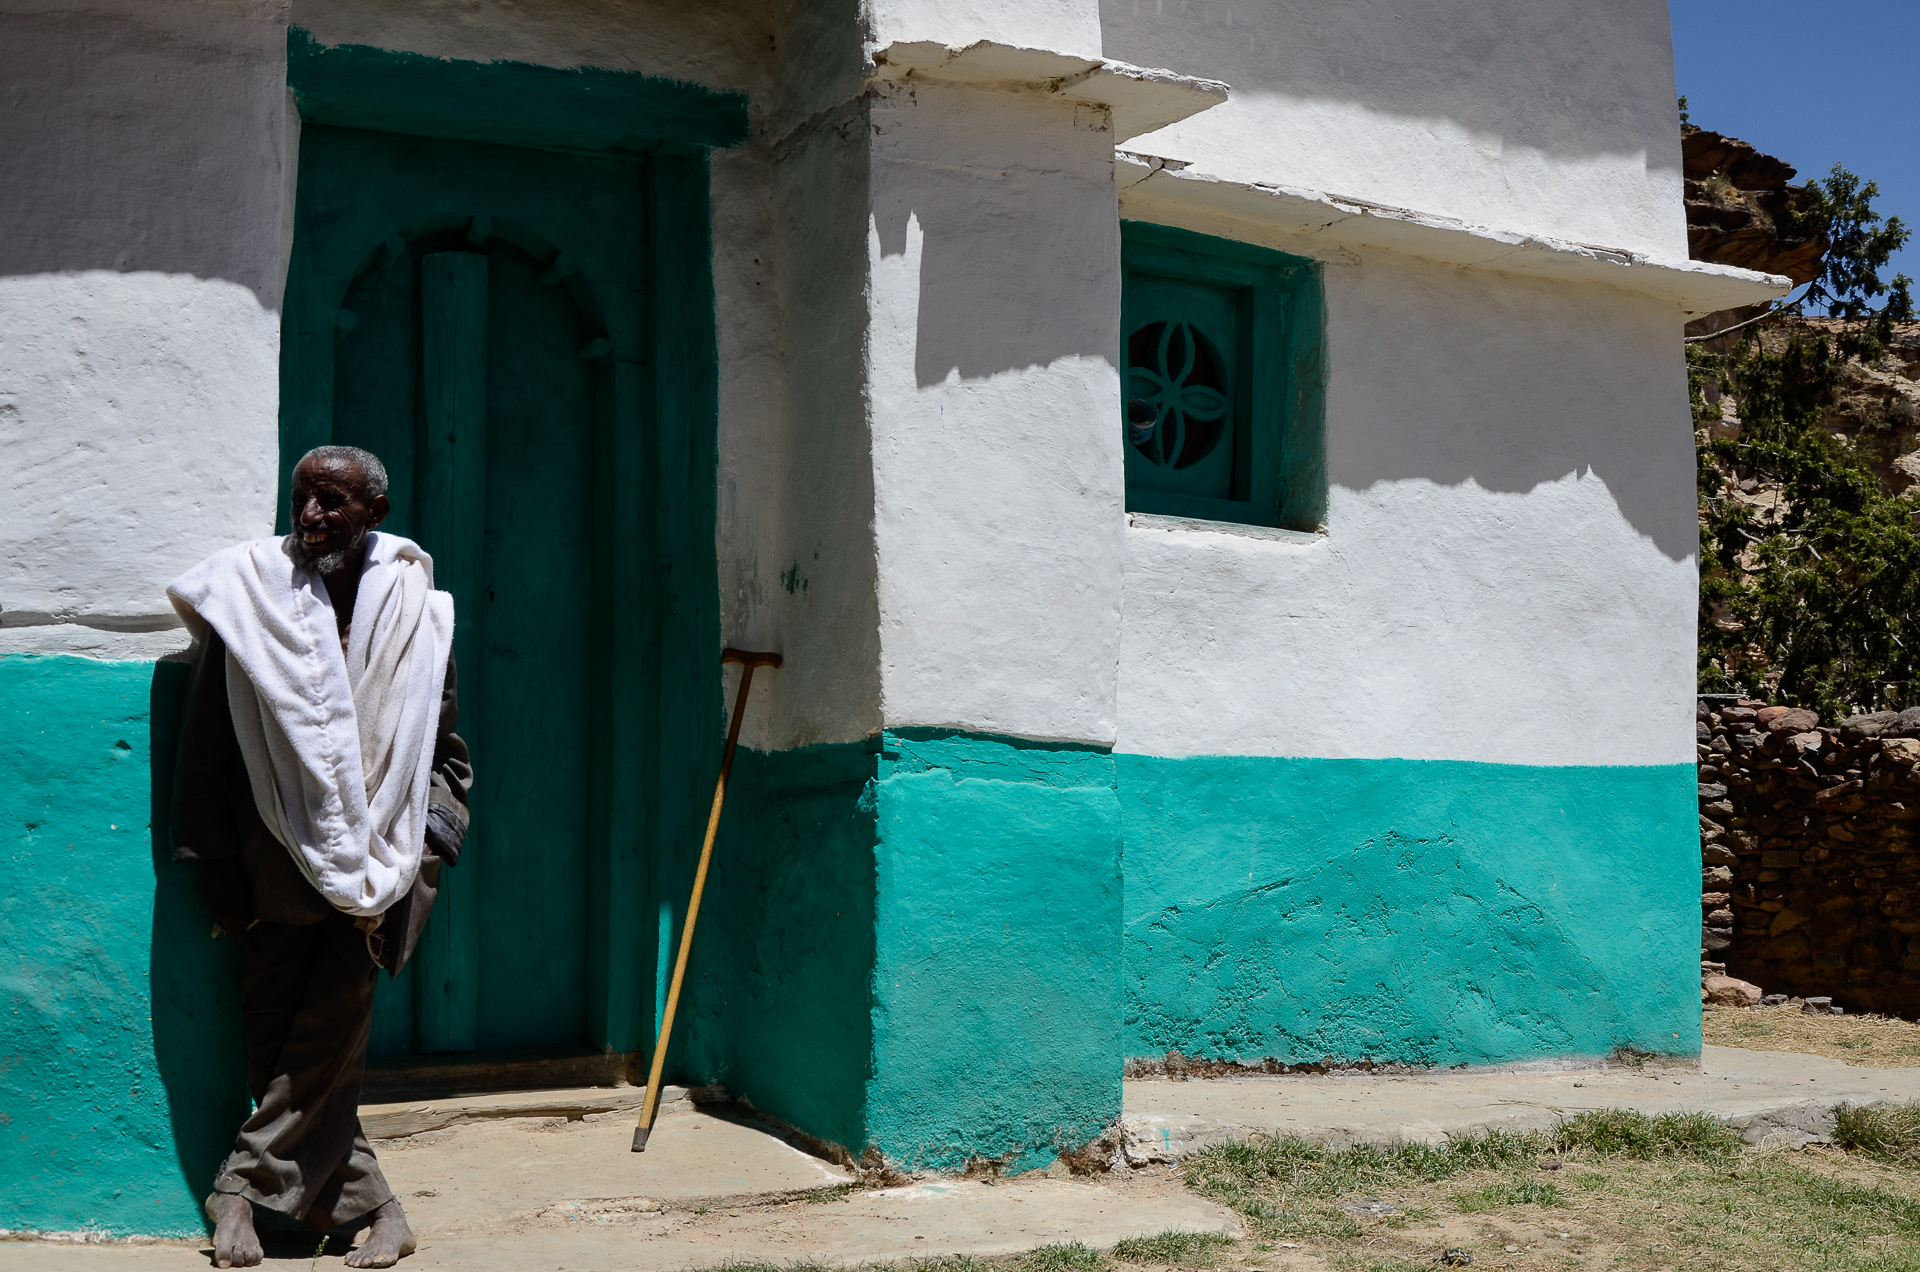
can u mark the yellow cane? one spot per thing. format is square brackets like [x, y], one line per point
[748, 661]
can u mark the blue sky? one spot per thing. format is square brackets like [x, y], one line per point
[1817, 82]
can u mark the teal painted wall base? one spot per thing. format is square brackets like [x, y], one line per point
[779, 986]
[1433, 913]
[920, 943]
[122, 1077]
[997, 969]
[916, 946]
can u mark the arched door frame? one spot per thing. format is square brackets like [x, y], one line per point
[656, 736]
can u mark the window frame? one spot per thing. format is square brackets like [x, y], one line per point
[1279, 473]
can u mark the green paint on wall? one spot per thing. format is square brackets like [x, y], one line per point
[918, 942]
[916, 946]
[122, 1075]
[997, 950]
[781, 972]
[1435, 913]
[516, 103]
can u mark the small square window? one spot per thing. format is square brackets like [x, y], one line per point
[1222, 376]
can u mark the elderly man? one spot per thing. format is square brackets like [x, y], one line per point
[320, 787]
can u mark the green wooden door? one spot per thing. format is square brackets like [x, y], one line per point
[473, 314]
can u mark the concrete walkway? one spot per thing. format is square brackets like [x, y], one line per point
[1770, 1095]
[502, 1193]
[544, 1183]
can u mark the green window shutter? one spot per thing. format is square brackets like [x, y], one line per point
[1222, 343]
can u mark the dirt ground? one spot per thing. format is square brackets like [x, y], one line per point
[1813, 1210]
[1873, 1042]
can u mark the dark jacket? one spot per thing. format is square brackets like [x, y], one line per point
[246, 875]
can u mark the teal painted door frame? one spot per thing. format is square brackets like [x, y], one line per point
[656, 714]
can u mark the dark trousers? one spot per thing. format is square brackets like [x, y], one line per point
[306, 998]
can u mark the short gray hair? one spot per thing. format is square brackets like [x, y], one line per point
[369, 463]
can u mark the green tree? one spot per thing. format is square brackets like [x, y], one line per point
[1860, 245]
[1811, 595]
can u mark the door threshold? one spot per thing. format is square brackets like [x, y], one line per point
[397, 1078]
[401, 1118]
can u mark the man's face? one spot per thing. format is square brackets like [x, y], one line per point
[331, 514]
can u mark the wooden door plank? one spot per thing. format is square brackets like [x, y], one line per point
[619, 953]
[684, 682]
[452, 499]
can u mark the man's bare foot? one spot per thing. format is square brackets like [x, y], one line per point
[388, 1241]
[235, 1244]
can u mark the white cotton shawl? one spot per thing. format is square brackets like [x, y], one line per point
[338, 744]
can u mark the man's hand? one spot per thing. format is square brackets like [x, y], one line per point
[444, 833]
[224, 887]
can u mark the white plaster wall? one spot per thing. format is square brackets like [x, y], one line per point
[137, 414]
[143, 161]
[1060, 26]
[1552, 117]
[998, 488]
[797, 482]
[796, 512]
[720, 44]
[1508, 571]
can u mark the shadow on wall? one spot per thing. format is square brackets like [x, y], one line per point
[1440, 374]
[787, 950]
[121, 1071]
[1437, 375]
[106, 111]
[1445, 375]
[198, 1047]
[1434, 61]
[1017, 228]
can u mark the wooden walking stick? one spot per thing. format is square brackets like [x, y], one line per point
[748, 661]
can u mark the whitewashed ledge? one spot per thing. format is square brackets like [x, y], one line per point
[1140, 99]
[1156, 188]
[85, 640]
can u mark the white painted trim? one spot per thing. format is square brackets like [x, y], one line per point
[1141, 99]
[1155, 189]
[132, 621]
[82, 641]
[1194, 525]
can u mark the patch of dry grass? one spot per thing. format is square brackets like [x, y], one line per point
[1886, 1134]
[1873, 1042]
[1174, 1249]
[1647, 1198]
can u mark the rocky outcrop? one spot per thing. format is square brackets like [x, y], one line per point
[1742, 210]
[1876, 406]
[1810, 874]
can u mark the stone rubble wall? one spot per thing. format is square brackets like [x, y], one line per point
[1809, 868]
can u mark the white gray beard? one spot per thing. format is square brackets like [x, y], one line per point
[306, 560]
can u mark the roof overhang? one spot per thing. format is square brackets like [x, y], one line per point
[1140, 99]
[1155, 189]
